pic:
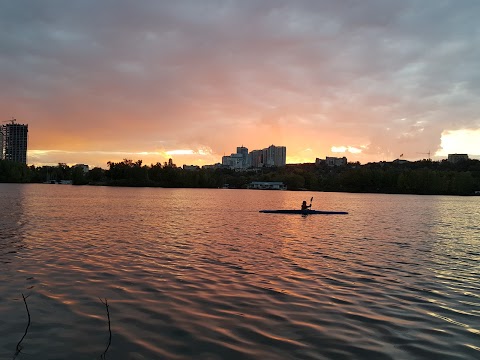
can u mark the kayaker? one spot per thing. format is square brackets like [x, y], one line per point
[305, 206]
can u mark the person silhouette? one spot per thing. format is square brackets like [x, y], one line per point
[305, 206]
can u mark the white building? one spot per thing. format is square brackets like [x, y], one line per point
[335, 161]
[244, 152]
[234, 161]
[255, 158]
[271, 156]
[455, 158]
[274, 156]
[267, 185]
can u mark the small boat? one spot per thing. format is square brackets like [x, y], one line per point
[304, 212]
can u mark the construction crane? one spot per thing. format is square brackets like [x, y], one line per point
[428, 153]
[12, 120]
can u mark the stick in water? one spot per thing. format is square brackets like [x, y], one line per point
[104, 355]
[19, 346]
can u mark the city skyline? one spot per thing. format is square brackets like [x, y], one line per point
[339, 160]
[243, 158]
[100, 82]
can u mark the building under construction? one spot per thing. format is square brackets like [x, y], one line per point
[13, 142]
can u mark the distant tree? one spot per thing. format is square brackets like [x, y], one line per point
[293, 181]
[63, 172]
[128, 173]
[462, 183]
[96, 175]
[78, 176]
[14, 172]
[421, 177]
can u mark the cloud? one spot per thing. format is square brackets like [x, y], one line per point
[344, 149]
[460, 141]
[123, 77]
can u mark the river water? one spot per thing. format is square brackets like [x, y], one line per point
[201, 274]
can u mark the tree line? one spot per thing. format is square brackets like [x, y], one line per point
[420, 177]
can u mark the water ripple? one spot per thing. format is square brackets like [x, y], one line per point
[187, 280]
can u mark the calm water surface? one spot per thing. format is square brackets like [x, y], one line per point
[200, 274]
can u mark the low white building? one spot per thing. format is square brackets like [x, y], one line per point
[335, 161]
[455, 158]
[234, 161]
[331, 161]
[267, 185]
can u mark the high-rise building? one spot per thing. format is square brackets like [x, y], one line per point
[244, 151]
[255, 158]
[14, 138]
[275, 156]
[280, 158]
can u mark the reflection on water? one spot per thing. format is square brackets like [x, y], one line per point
[12, 200]
[200, 274]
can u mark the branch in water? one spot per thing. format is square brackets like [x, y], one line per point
[104, 355]
[19, 346]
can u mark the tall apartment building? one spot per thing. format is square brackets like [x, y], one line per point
[275, 156]
[280, 155]
[13, 141]
[255, 158]
[244, 151]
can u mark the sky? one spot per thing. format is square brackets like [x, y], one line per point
[100, 81]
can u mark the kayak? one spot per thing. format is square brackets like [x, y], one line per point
[304, 212]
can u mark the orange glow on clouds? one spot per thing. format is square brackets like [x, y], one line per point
[344, 149]
[191, 82]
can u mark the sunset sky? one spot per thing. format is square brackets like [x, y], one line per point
[192, 80]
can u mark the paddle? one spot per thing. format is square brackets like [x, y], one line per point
[311, 202]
